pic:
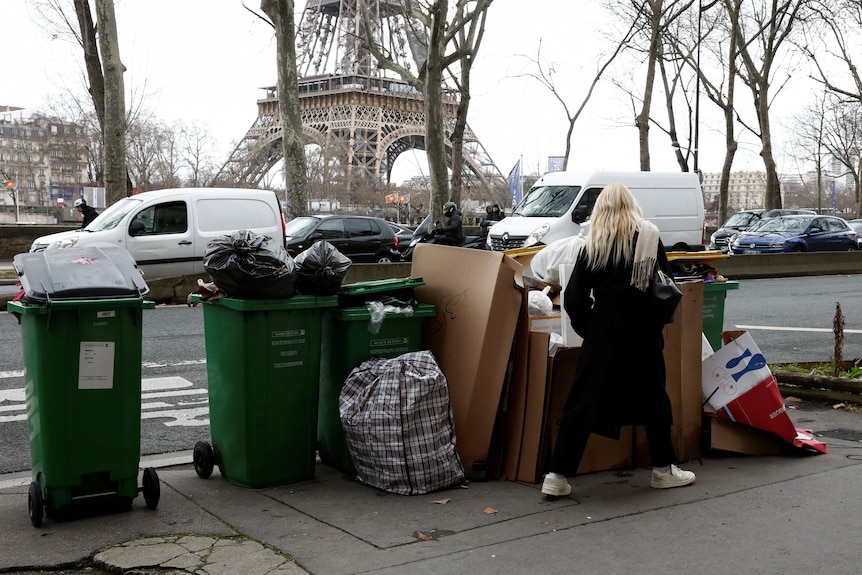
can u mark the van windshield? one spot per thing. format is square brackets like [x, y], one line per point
[547, 201]
[113, 215]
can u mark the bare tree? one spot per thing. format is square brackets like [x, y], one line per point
[843, 141]
[843, 20]
[280, 12]
[545, 76]
[197, 154]
[466, 42]
[437, 27]
[761, 28]
[708, 33]
[115, 103]
[809, 129]
[651, 19]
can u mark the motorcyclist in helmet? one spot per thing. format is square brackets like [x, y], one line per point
[452, 233]
[89, 212]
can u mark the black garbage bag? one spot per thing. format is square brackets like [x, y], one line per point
[251, 266]
[321, 269]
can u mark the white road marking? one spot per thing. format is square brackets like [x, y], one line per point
[190, 412]
[808, 329]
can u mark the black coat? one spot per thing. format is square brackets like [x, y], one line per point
[89, 213]
[453, 230]
[620, 376]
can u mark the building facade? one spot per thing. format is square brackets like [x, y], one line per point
[46, 157]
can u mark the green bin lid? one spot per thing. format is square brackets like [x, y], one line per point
[362, 313]
[720, 286]
[379, 286]
[296, 302]
[44, 308]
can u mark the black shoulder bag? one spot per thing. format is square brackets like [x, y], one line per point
[665, 294]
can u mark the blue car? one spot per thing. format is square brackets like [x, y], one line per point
[807, 233]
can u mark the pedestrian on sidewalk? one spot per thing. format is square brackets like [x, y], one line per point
[610, 307]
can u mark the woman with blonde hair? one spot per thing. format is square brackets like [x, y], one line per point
[609, 305]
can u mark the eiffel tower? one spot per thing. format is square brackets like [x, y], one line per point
[360, 116]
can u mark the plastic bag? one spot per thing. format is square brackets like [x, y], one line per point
[546, 263]
[379, 309]
[252, 266]
[321, 269]
[540, 304]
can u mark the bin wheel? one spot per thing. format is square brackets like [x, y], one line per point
[204, 459]
[35, 504]
[152, 489]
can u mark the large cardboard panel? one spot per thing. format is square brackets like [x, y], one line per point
[601, 453]
[537, 382]
[682, 358]
[724, 435]
[514, 402]
[477, 295]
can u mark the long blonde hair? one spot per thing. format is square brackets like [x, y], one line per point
[614, 221]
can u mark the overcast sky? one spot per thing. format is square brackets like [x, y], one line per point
[206, 60]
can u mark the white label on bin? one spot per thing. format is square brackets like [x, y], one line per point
[106, 313]
[96, 365]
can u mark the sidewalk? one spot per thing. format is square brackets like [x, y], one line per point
[790, 514]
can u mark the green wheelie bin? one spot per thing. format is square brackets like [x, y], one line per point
[80, 320]
[348, 341]
[263, 363]
[714, 294]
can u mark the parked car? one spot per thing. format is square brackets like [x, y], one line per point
[360, 238]
[804, 233]
[744, 220]
[857, 227]
[404, 235]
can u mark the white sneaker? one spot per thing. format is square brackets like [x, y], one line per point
[675, 477]
[556, 487]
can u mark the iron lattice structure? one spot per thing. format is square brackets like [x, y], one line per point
[361, 116]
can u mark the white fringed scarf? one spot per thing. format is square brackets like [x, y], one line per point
[644, 262]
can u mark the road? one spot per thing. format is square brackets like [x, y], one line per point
[790, 319]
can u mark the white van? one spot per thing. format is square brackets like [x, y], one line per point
[560, 203]
[167, 231]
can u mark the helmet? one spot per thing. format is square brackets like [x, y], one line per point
[80, 202]
[449, 208]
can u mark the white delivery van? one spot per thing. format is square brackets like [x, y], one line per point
[167, 231]
[560, 203]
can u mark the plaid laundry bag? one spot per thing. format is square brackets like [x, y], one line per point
[398, 424]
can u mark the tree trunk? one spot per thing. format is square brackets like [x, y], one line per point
[91, 59]
[293, 147]
[435, 127]
[115, 103]
[642, 120]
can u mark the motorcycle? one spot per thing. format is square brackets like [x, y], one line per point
[426, 234]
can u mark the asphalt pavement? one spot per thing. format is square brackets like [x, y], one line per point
[794, 513]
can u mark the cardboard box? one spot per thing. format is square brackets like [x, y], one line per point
[546, 324]
[548, 387]
[732, 370]
[723, 435]
[601, 453]
[477, 295]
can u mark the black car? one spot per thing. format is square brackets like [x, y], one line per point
[404, 235]
[743, 220]
[360, 238]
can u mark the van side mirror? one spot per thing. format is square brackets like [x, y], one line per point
[580, 214]
[136, 227]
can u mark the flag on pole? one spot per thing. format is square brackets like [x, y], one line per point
[555, 163]
[515, 183]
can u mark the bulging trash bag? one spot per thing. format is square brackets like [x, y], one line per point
[321, 269]
[398, 424]
[250, 266]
